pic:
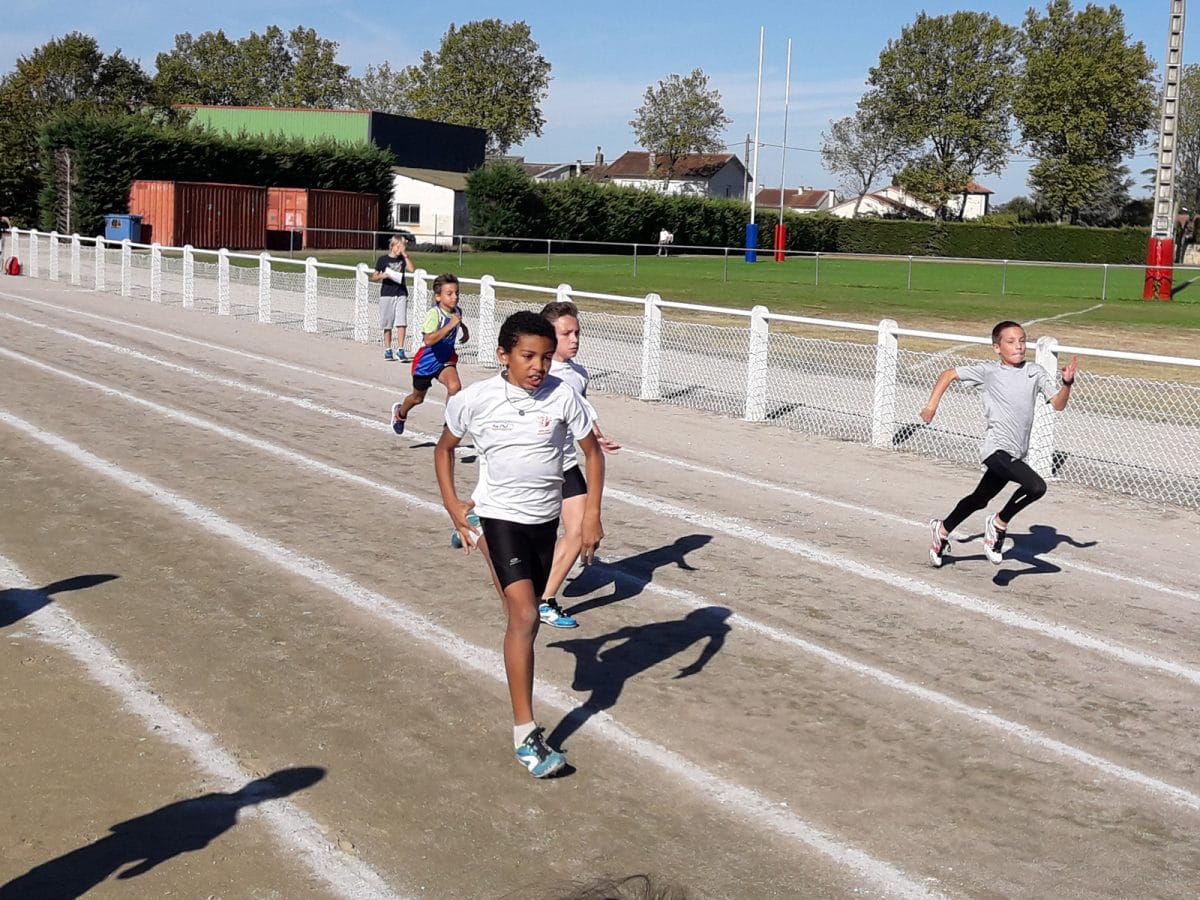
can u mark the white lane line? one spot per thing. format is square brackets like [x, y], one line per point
[293, 829]
[870, 511]
[201, 375]
[779, 487]
[736, 528]
[753, 806]
[739, 528]
[183, 339]
[687, 598]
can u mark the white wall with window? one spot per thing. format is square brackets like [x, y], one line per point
[430, 204]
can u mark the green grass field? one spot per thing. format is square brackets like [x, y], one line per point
[948, 295]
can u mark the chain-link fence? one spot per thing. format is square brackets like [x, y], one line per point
[1134, 435]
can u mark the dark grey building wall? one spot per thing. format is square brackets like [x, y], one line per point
[422, 144]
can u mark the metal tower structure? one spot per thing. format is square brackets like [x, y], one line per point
[1161, 254]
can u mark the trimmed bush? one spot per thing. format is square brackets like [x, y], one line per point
[112, 151]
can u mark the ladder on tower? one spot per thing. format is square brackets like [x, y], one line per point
[1161, 254]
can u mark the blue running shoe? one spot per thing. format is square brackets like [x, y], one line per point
[455, 540]
[401, 356]
[397, 424]
[552, 615]
[387, 355]
[537, 757]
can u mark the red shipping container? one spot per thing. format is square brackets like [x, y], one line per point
[321, 220]
[208, 216]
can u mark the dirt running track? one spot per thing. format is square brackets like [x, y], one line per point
[241, 660]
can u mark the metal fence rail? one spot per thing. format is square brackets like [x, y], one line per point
[1138, 436]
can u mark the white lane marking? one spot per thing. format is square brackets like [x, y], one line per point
[779, 487]
[183, 339]
[689, 599]
[743, 530]
[201, 375]
[736, 528]
[871, 511]
[296, 831]
[753, 806]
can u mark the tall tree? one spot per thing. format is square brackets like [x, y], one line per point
[384, 89]
[944, 88]
[859, 149]
[680, 116]
[1084, 101]
[268, 69]
[487, 74]
[64, 73]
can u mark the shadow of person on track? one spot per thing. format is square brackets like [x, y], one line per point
[154, 838]
[1030, 548]
[636, 649]
[630, 575]
[17, 603]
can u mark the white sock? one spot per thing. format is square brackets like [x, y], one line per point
[520, 732]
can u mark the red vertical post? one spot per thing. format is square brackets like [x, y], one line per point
[1160, 259]
[780, 241]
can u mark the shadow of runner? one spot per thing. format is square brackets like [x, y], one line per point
[629, 575]
[641, 647]
[153, 839]
[17, 603]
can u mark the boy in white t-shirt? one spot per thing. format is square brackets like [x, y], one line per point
[1010, 388]
[564, 316]
[518, 422]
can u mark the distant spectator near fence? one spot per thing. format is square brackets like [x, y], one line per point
[5, 226]
[665, 239]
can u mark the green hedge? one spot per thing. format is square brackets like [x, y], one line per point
[112, 151]
[504, 201]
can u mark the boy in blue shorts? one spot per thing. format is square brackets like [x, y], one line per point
[437, 359]
[1010, 388]
[519, 421]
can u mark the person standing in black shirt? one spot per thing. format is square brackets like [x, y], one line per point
[393, 298]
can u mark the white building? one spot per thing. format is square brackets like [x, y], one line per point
[430, 204]
[694, 175]
[798, 200]
[894, 200]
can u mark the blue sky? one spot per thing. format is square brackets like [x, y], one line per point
[603, 55]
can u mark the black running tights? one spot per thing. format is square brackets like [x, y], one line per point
[1001, 468]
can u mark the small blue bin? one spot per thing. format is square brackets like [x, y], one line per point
[119, 226]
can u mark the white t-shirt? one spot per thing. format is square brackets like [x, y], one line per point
[577, 377]
[520, 438]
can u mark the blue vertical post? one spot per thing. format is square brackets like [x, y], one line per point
[751, 242]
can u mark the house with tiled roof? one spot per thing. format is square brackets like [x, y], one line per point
[694, 175]
[800, 200]
[893, 200]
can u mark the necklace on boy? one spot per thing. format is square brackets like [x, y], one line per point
[507, 397]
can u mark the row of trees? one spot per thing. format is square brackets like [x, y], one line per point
[956, 95]
[487, 74]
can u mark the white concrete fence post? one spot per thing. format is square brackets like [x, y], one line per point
[756, 365]
[418, 306]
[223, 282]
[651, 349]
[563, 293]
[33, 253]
[264, 288]
[54, 256]
[1041, 438]
[126, 268]
[486, 339]
[76, 277]
[883, 404]
[100, 253]
[310, 294]
[189, 277]
[156, 273]
[362, 308]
